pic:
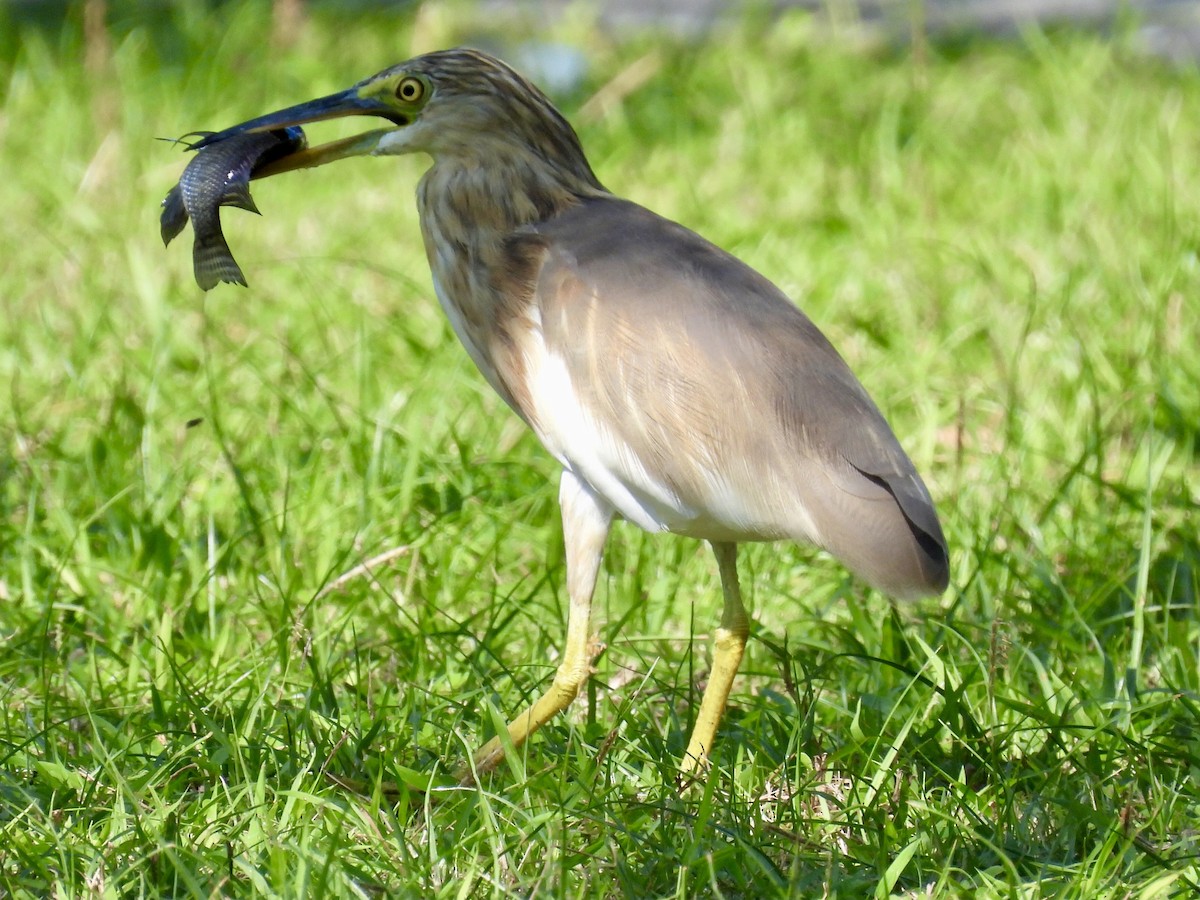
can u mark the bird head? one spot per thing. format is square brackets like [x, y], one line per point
[459, 104]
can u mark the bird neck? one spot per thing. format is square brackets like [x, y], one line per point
[497, 189]
[471, 215]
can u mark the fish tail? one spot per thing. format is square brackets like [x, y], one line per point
[213, 262]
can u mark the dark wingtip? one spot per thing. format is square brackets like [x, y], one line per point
[937, 559]
[930, 573]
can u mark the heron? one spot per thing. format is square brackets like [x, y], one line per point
[677, 388]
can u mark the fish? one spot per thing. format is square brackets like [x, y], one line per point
[219, 175]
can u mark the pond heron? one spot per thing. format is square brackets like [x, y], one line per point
[677, 387]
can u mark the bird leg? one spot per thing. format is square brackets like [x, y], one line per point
[728, 647]
[586, 519]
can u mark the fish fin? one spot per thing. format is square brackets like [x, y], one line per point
[174, 215]
[213, 262]
[191, 145]
[238, 195]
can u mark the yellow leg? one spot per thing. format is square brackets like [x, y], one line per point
[728, 647]
[586, 518]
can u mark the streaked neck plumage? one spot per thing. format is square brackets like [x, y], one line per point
[472, 205]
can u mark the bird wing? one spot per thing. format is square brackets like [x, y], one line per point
[691, 392]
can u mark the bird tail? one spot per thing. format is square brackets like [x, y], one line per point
[213, 262]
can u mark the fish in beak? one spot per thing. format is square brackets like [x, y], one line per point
[220, 176]
[227, 160]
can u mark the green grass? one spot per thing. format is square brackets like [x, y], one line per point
[1002, 239]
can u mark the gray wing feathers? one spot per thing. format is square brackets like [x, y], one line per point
[722, 385]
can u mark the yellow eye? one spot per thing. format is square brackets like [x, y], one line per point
[410, 90]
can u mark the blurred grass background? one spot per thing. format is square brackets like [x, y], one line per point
[201, 693]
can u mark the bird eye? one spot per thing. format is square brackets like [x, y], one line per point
[410, 90]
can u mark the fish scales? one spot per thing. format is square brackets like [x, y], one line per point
[219, 176]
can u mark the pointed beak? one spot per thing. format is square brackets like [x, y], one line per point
[345, 103]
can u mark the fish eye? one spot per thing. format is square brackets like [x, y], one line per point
[410, 89]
